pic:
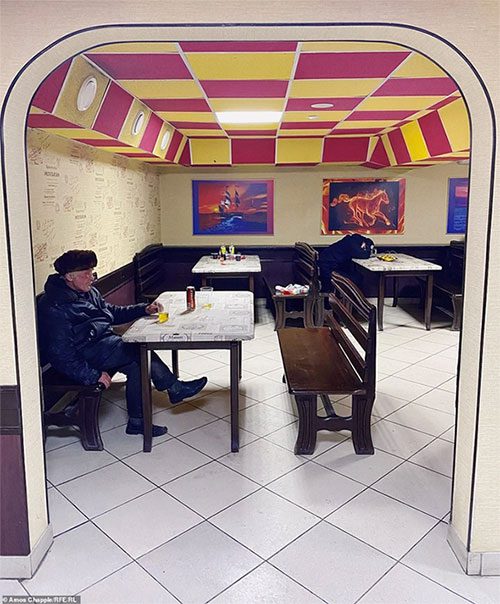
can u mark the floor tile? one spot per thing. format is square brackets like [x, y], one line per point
[364, 468]
[214, 439]
[442, 336]
[146, 522]
[386, 403]
[398, 440]
[451, 352]
[76, 559]
[400, 353]
[437, 456]
[210, 489]
[111, 416]
[423, 345]
[121, 445]
[264, 522]
[388, 366]
[60, 437]
[200, 364]
[63, 515]
[332, 564]
[283, 401]
[424, 376]
[263, 419]
[167, 461]
[266, 584]
[417, 590]
[449, 435]
[287, 436]
[69, 462]
[259, 346]
[182, 418]
[11, 587]
[434, 558]
[421, 418]
[261, 388]
[219, 403]
[129, 585]
[316, 488]
[440, 362]
[400, 388]
[441, 400]
[105, 489]
[260, 365]
[390, 526]
[215, 567]
[262, 461]
[390, 339]
[450, 385]
[276, 375]
[421, 488]
[220, 378]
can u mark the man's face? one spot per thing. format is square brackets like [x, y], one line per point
[80, 281]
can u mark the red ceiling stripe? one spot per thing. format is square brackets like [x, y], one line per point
[253, 151]
[346, 149]
[312, 125]
[434, 134]
[46, 96]
[339, 104]
[243, 89]
[251, 132]
[40, 120]
[113, 111]
[151, 133]
[379, 156]
[417, 87]
[174, 146]
[196, 125]
[444, 102]
[379, 115]
[335, 65]
[142, 66]
[134, 154]
[185, 158]
[177, 104]
[239, 46]
[349, 131]
[399, 147]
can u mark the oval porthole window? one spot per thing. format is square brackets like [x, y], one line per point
[164, 140]
[138, 122]
[86, 94]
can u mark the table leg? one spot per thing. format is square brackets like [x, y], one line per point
[380, 303]
[251, 283]
[395, 289]
[175, 362]
[146, 399]
[234, 368]
[203, 280]
[240, 358]
[428, 301]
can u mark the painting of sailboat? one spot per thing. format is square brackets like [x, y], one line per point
[233, 207]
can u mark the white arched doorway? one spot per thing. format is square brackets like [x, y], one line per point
[21, 328]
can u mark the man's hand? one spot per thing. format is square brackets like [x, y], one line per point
[154, 307]
[105, 379]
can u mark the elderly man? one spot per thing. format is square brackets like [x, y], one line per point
[77, 339]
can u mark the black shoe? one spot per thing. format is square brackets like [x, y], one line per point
[181, 390]
[136, 426]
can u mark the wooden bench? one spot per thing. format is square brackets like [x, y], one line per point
[449, 284]
[304, 271]
[150, 273]
[338, 358]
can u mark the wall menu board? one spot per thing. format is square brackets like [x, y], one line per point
[458, 200]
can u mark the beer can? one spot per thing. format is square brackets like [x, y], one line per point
[231, 250]
[190, 297]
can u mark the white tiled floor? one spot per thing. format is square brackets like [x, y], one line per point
[192, 522]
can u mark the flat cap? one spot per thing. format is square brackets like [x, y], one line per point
[75, 260]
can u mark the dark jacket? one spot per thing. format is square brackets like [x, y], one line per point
[75, 329]
[338, 256]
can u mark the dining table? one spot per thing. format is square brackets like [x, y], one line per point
[220, 320]
[401, 265]
[222, 268]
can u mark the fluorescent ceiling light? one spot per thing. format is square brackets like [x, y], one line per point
[249, 117]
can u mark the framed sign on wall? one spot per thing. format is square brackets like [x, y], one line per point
[458, 201]
[363, 205]
[233, 207]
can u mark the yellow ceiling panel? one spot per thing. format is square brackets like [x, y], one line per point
[456, 123]
[415, 142]
[333, 88]
[356, 124]
[205, 133]
[36, 110]
[126, 135]
[210, 152]
[163, 89]
[242, 65]
[388, 149]
[122, 149]
[306, 133]
[77, 133]
[298, 151]
[66, 107]
[157, 148]
[135, 47]
[397, 103]
[247, 104]
[323, 116]
[418, 66]
[351, 46]
[180, 150]
[250, 126]
[191, 116]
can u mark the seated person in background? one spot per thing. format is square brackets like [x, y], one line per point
[77, 339]
[338, 257]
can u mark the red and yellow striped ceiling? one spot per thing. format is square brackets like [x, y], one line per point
[379, 104]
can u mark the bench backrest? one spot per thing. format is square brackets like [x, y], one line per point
[455, 262]
[305, 266]
[148, 270]
[352, 320]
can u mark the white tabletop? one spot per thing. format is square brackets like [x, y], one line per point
[218, 316]
[206, 264]
[403, 262]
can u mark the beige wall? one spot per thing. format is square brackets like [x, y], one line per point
[85, 198]
[297, 204]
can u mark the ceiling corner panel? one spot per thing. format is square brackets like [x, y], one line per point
[66, 107]
[456, 123]
[354, 149]
[132, 131]
[163, 141]
[299, 150]
[48, 92]
[151, 133]
[174, 145]
[210, 152]
[415, 141]
[185, 158]
[434, 134]
[113, 111]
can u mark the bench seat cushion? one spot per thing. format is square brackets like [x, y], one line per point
[315, 363]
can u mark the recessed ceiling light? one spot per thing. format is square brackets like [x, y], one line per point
[86, 94]
[249, 117]
[138, 122]
[164, 140]
[322, 105]
[312, 117]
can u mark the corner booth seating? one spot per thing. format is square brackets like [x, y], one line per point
[338, 358]
[150, 273]
[449, 284]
